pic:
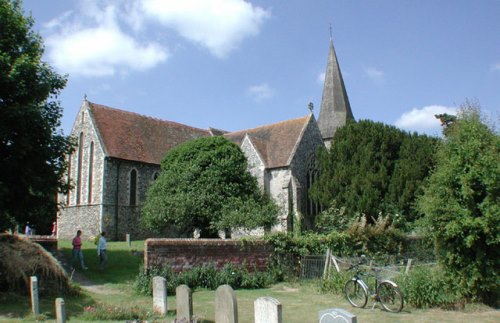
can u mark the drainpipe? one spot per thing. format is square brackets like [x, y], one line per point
[116, 199]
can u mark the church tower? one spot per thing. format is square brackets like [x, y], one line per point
[335, 108]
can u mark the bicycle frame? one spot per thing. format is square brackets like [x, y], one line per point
[372, 293]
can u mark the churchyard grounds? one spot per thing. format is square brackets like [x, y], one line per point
[113, 291]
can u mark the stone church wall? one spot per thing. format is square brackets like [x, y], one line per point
[86, 218]
[303, 160]
[119, 216]
[278, 183]
[83, 214]
[256, 166]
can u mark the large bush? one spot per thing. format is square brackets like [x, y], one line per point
[372, 169]
[461, 204]
[204, 184]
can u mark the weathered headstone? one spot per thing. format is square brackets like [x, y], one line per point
[267, 310]
[226, 307]
[160, 295]
[184, 300]
[60, 311]
[127, 238]
[336, 315]
[35, 304]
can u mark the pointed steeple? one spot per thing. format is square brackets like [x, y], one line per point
[335, 109]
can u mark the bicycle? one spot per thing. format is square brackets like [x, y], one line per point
[386, 292]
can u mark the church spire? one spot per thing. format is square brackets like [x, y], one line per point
[335, 109]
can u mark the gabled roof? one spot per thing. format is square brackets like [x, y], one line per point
[335, 108]
[275, 142]
[131, 136]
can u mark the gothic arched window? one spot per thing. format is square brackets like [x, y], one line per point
[312, 208]
[91, 171]
[133, 187]
[79, 170]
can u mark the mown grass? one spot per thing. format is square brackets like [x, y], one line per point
[301, 301]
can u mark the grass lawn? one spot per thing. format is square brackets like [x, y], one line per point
[301, 301]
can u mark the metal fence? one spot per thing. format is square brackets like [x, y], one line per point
[312, 266]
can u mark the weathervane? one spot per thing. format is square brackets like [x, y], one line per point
[310, 106]
[331, 37]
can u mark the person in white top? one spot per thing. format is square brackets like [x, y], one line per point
[101, 251]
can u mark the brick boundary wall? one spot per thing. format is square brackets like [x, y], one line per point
[49, 243]
[183, 254]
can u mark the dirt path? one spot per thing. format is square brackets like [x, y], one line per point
[83, 281]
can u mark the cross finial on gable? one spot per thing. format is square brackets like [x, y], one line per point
[85, 97]
[310, 106]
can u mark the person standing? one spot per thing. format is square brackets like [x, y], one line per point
[27, 230]
[54, 229]
[77, 250]
[101, 251]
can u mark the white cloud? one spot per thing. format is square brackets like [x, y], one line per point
[100, 38]
[91, 42]
[496, 67]
[321, 78]
[261, 92]
[102, 51]
[219, 25]
[375, 74]
[423, 119]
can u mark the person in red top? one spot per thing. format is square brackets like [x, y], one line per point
[77, 250]
[54, 229]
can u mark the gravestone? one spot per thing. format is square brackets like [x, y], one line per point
[127, 238]
[336, 315]
[160, 295]
[35, 304]
[60, 311]
[184, 300]
[267, 310]
[226, 307]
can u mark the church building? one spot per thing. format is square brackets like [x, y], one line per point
[118, 156]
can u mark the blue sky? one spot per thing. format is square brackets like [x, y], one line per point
[234, 64]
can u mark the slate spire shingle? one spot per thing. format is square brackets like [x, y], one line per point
[335, 108]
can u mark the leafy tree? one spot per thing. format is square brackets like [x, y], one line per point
[461, 204]
[32, 151]
[373, 168]
[204, 184]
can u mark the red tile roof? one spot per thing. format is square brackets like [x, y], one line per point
[275, 142]
[131, 136]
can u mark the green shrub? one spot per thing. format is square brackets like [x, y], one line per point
[426, 287]
[335, 282]
[101, 311]
[207, 276]
[144, 280]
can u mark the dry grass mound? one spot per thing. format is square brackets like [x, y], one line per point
[20, 259]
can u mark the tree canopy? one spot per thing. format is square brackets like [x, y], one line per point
[32, 150]
[373, 168]
[204, 184]
[461, 204]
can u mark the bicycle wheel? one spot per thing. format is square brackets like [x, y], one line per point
[356, 293]
[390, 296]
